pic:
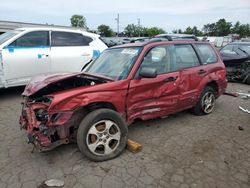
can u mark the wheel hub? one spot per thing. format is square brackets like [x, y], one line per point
[106, 134]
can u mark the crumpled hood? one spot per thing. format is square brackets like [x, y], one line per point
[41, 81]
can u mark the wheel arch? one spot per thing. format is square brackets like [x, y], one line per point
[213, 84]
[97, 105]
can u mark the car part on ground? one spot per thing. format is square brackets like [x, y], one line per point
[133, 146]
[236, 57]
[126, 83]
[245, 96]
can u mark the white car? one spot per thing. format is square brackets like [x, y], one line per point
[27, 52]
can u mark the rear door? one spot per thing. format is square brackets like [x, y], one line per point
[154, 97]
[191, 74]
[69, 51]
[27, 56]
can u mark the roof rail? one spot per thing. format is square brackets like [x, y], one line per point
[159, 38]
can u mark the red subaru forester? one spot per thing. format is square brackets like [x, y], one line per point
[133, 81]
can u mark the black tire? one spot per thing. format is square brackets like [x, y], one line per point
[83, 135]
[199, 108]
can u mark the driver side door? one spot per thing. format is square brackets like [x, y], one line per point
[154, 97]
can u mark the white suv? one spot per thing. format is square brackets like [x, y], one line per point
[27, 52]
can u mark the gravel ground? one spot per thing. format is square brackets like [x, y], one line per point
[182, 150]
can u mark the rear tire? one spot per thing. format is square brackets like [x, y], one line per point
[206, 102]
[102, 135]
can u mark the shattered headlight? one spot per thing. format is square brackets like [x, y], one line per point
[42, 115]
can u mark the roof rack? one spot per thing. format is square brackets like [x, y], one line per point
[163, 37]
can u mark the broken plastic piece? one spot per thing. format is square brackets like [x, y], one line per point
[54, 182]
[244, 110]
[230, 94]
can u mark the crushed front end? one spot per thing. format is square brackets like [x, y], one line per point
[49, 125]
[46, 129]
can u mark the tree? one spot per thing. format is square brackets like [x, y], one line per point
[193, 31]
[223, 28]
[132, 30]
[242, 29]
[236, 28]
[177, 31]
[210, 29]
[78, 21]
[152, 31]
[105, 31]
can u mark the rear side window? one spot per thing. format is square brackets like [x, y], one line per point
[69, 39]
[32, 39]
[185, 56]
[207, 53]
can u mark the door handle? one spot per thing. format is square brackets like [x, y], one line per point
[202, 71]
[170, 79]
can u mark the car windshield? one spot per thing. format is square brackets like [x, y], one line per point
[245, 48]
[115, 63]
[6, 36]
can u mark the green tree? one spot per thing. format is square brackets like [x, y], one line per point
[210, 29]
[236, 28]
[152, 31]
[242, 29]
[175, 31]
[133, 30]
[223, 27]
[78, 21]
[193, 31]
[105, 31]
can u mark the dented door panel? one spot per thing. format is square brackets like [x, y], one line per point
[153, 97]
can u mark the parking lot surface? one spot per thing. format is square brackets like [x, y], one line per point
[182, 150]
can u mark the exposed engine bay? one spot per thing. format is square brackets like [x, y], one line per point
[70, 83]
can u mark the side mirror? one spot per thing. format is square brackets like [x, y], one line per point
[147, 72]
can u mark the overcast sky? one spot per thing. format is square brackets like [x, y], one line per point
[166, 14]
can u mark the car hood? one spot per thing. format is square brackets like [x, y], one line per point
[41, 81]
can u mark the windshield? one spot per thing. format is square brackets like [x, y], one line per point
[245, 48]
[6, 36]
[115, 63]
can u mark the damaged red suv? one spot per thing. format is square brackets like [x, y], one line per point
[126, 83]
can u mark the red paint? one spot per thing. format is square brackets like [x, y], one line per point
[144, 98]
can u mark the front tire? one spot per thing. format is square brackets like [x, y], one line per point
[102, 135]
[206, 102]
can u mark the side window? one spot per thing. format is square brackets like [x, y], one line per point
[32, 39]
[170, 58]
[159, 58]
[185, 56]
[59, 38]
[207, 53]
[227, 49]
